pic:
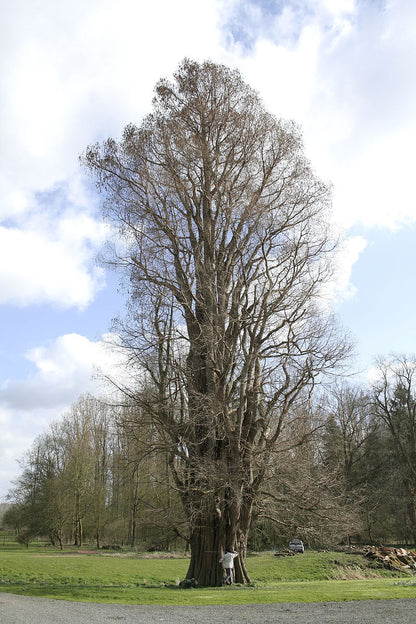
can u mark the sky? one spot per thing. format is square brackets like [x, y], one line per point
[74, 73]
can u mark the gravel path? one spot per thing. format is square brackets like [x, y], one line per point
[27, 610]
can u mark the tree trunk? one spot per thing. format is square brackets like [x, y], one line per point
[208, 544]
[78, 531]
[206, 550]
[411, 512]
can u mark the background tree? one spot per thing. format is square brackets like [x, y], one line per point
[144, 493]
[349, 441]
[383, 508]
[40, 504]
[394, 403]
[333, 473]
[347, 429]
[64, 482]
[226, 245]
[26, 513]
[303, 495]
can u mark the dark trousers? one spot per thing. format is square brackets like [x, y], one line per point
[229, 576]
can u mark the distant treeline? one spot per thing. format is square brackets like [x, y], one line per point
[345, 470]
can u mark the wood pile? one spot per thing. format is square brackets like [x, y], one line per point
[284, 553]
[399, 559]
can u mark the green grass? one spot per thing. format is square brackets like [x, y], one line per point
[130, 579]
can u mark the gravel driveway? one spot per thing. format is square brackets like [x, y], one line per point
[27, 610]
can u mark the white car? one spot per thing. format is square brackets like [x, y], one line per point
[296, 545]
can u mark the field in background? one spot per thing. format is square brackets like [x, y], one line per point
[131, 578]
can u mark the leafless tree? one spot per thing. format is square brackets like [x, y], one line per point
[223, 234]
[349, 419]
[303, 494]
[144, 490]
[394, 402]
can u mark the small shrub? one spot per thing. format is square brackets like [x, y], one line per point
[188, 583]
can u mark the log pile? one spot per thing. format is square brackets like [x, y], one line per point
[284, 553]
[399, 559]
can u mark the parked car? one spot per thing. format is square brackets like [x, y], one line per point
[296, 546]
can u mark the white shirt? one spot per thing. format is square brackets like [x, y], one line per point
[228, 559]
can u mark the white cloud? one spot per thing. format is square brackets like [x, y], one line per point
[52, 261]
[285, 77]
[347, 256]
[74, 73]
[341, 287]
[343, 70]
[360, 126]
[376, 188]
[64, 369]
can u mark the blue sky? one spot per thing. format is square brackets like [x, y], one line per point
[76, 72]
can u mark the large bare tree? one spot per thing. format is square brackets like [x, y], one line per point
[223, 234]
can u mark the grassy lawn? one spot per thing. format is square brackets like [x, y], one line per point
[131, 579]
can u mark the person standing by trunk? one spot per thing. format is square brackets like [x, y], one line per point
[227, 561]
